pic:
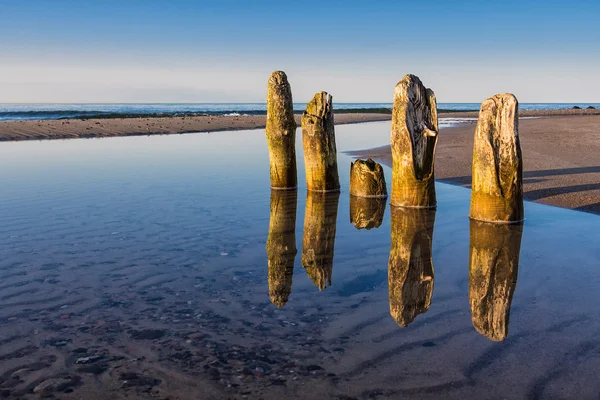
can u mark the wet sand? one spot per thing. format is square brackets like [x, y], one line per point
[561, 166]
[91, 128]
[110, 127]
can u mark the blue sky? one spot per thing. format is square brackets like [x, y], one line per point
[224, 51]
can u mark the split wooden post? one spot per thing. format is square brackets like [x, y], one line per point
[413, 140]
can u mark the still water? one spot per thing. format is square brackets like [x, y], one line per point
[164, 267]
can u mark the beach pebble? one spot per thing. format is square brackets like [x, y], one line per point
[17, 374]
[87, 360]
[53, 384]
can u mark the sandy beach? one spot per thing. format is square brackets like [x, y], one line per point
[90, 128]
[560, 159]
[111, 127]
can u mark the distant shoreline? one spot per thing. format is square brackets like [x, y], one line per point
[85, 111]
[87, 115]
[144, 126]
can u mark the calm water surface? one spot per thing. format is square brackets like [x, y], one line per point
[153, 267]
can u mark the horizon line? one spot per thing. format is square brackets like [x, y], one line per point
[295, 102]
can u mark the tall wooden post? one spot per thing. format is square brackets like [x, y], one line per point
[497, 189]
[413, 140]
[318, 139]
[281, 132]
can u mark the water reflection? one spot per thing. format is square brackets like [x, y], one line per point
[410, 269]
[319, 236]
[281, 244]
[367, 212]
[493, 270]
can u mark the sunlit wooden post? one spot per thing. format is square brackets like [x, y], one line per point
[497, 189]
[367, 179]
[368, 193]
[281, 132]
[318, 139]
[413, 140]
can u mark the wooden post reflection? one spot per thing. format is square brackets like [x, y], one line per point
[281, 244]
[493, 270]
[319, 236]
[410, 269]
[367, 212]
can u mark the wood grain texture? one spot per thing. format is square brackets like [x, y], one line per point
[367, 179]
[413, 140]
[318, 139]
[281, 132]
[497, 188]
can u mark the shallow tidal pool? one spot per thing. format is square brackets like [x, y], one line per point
[165, 267]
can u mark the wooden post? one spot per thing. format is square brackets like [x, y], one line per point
[493, 271]
[318, 242]
[281, 245]
[410, 269]
[367, 179]
[281, 132]
[497, 189]
[318, 139]
[413, 140]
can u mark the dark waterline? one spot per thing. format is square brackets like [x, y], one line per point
[15, 112]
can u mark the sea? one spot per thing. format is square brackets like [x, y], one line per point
[49, 111]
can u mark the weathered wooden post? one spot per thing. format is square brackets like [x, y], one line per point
[318, 241]
[281, 132]
[413, 140]
[368, 192]
[493, 271]
[367, 179]
[367, 212]
[318, 139]
[497, 189]
[281, 245]
[410, 269]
